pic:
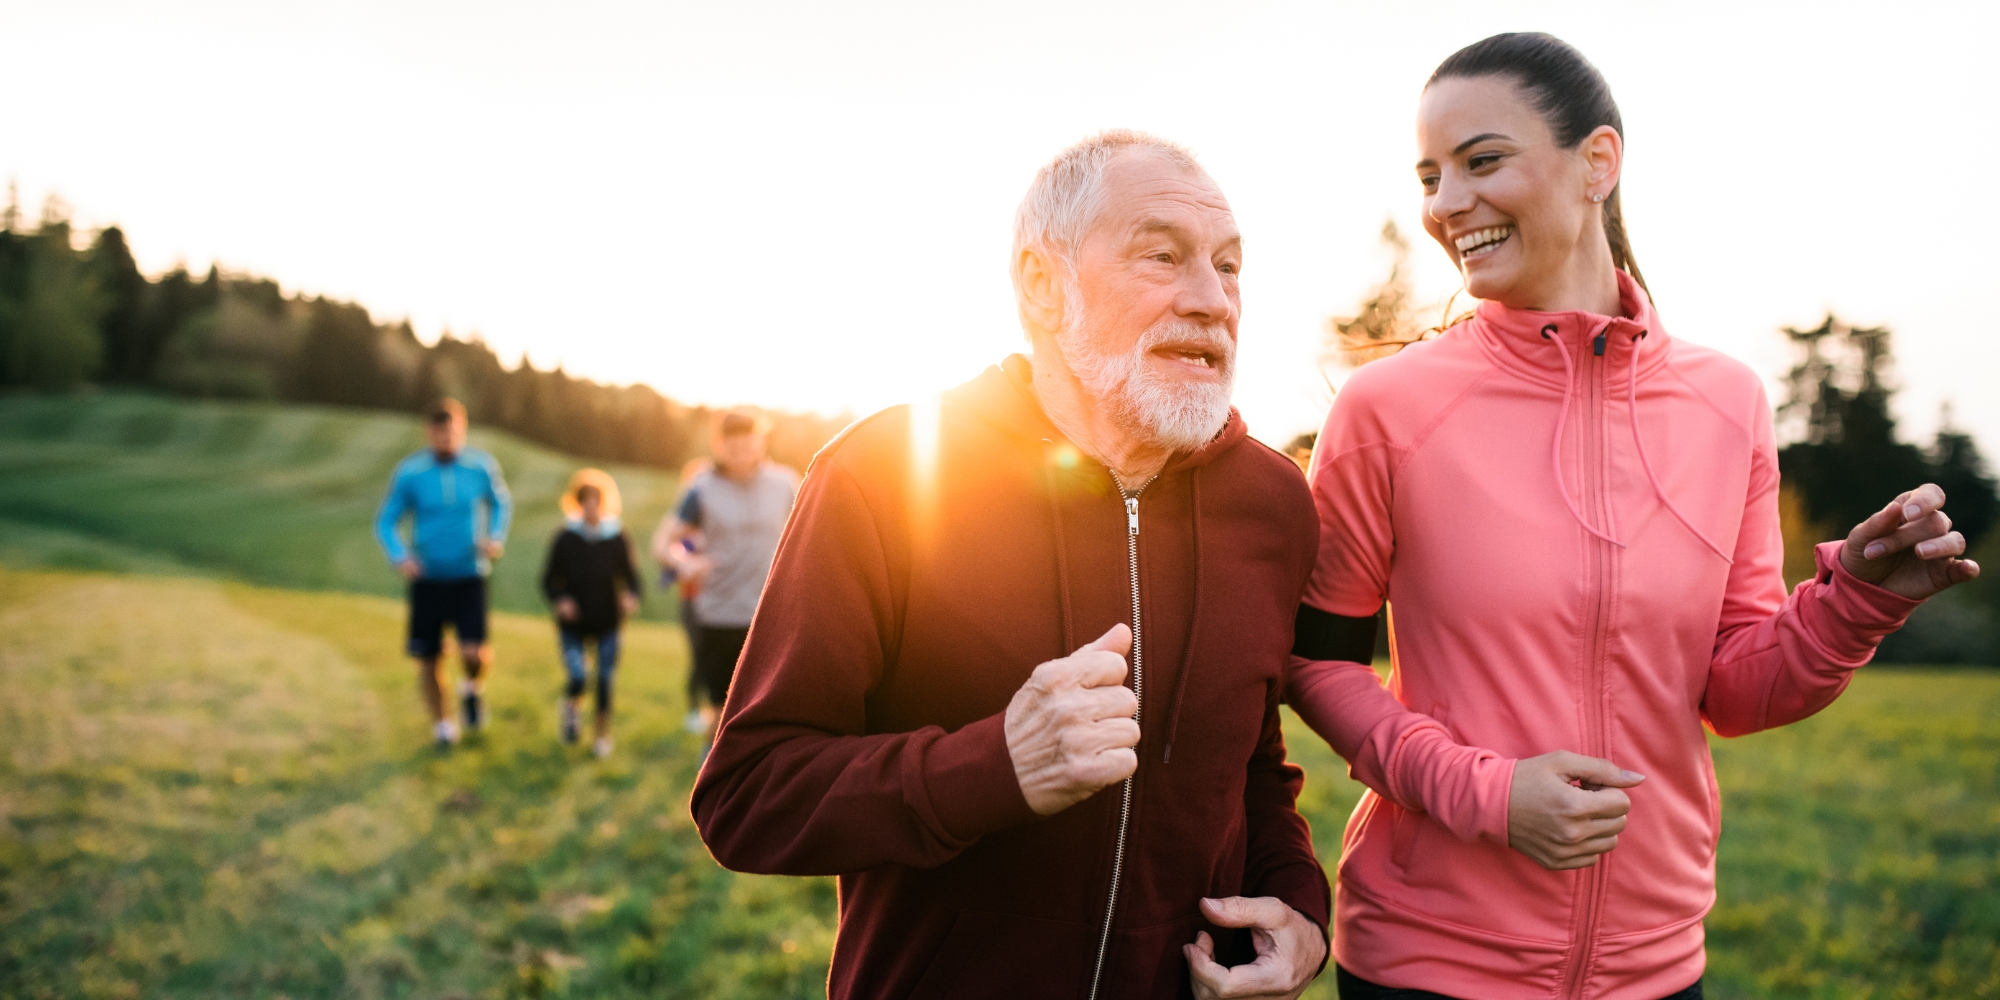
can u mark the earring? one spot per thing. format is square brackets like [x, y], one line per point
[1597, 197]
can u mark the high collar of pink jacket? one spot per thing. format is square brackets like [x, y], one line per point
[1574, 518]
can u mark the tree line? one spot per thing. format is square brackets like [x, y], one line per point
[75, 314]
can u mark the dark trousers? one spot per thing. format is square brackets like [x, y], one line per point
[1353, 987]
[715, 656]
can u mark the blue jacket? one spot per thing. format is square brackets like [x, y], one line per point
[442, 500]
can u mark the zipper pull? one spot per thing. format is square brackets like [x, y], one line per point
[1132, 515]
[1597, 346]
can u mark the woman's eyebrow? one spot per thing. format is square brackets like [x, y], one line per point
[1477, 139]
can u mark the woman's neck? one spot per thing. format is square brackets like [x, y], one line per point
[1588, 282]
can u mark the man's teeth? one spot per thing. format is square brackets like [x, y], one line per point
[1480, 240]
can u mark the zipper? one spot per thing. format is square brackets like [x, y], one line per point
[1596, 740]
[1139, 691]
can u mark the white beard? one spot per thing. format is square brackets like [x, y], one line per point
[1177, 414]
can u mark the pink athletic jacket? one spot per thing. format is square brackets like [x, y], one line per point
[1574, 519]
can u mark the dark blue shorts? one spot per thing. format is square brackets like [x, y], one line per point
[461, 602]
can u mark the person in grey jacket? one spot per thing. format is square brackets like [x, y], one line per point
[739, 505]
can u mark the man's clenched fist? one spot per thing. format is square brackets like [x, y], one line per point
[1070, 729]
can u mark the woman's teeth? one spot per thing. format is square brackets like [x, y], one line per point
[1481, 241]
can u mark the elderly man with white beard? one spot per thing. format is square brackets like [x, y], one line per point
[1015, 678]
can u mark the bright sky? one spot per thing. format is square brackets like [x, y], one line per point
[807, 205]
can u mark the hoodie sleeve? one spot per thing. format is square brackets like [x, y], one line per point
[1780, 659]
[1280, 860]
[388, 520]
[1405, 756]
[795, 784]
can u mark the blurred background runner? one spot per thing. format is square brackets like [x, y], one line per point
[590, 583]
[665, 544]
[739, 507]
[442, 488]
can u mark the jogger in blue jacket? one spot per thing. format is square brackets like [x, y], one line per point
[442, 489]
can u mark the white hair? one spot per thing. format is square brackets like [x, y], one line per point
[1068, 192]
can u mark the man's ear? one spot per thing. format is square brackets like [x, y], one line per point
[1038, 291]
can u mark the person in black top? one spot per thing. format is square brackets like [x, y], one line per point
[590, 581]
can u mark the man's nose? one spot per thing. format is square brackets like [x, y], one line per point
[1203, 296]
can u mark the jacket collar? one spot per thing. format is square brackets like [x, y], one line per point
[1515, 337]
[1005, 396]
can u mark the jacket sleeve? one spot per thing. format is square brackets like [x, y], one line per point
[1280, 861]
[795, 784]
[628, 568]
[388, 520]
[1405, 756]
[555, 582]
[499, 503]
[1780, 659]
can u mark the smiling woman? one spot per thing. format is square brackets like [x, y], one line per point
[1623, 483]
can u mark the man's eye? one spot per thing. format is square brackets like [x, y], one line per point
[1164, 257]
[1227, 269]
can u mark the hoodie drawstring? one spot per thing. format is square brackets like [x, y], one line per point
[1555, 446]
[1639, 443]
[1194, 617]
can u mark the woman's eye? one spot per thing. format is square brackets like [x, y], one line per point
[1429, 181]
[1480, 160]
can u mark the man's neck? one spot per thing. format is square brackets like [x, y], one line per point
[1080, 419]
[443, 457]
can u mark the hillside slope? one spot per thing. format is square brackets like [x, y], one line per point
[275, 494]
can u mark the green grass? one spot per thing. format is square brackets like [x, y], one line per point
[274, 494]
[214, 788]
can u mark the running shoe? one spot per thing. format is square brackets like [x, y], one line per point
[475, 710]
[569, 723]
[697, 723]
[446, 734]
[602, 748]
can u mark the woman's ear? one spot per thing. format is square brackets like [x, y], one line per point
[1038, 289]
[1603, 160]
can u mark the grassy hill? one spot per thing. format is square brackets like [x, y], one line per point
[210, 787]
[275, 494]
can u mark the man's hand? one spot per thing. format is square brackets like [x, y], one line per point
[566, 608]
[410, 568]
[493, 549]
[1290, 950]
[1565, 809]
[1908, 547]
[1070, 730]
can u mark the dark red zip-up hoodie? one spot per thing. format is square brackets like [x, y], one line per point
[911, 597]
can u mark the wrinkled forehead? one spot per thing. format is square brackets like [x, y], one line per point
[1145, 192]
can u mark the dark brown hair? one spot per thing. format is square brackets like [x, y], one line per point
[445, 411]
[1568, 92]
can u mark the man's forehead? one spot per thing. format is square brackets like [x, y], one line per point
[1148, 193]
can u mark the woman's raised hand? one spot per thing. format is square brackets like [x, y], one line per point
[1908, 548]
